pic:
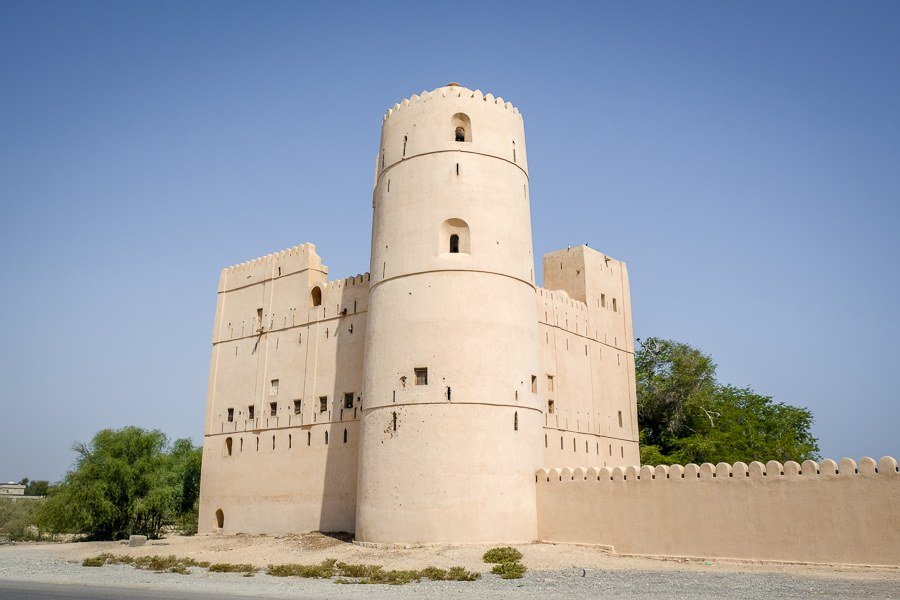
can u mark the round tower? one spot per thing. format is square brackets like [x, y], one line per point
[450, 423]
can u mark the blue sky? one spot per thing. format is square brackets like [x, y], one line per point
[742, 158]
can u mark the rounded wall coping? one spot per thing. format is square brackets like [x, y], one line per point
[886, 466]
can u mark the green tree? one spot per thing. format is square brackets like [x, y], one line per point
[125, 481]
[35, 488]
[685, 415]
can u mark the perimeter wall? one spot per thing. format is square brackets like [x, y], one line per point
[817, 512]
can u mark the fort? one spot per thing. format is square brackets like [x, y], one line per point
[443, 396]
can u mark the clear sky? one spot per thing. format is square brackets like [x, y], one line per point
[742, 158]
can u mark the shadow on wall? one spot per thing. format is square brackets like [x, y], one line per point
[343, 347]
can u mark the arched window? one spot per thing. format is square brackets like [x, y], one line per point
[454, 237]
[345, 436]
[326, 437]
[309, 438]
[220, 519]
[462, 128]
[228, 445]
[316, 295]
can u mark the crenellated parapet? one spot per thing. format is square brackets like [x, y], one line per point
[452, 91]
[277, 264]
[354, 281]
[809, 469]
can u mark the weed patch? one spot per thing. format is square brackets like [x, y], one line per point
[327, 569]
[159, 564]
[229, 568]
[323, 570]
[375, 574]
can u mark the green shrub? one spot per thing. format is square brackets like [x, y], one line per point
[504, 554]
[509, 570]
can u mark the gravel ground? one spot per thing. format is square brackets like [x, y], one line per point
[667, 580]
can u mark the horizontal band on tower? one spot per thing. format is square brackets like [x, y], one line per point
[403, 160]
[385, 280]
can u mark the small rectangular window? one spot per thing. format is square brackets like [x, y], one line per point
[615, 308]
[297, 407]
[230, 415]
[603, 300]
[421, 376]
[534, 384]
[259, 316]
[251, 412]
[274, 387]
[551, 407]
[549, 383]
[348, 400]
[323, 403]
[620, 418]
[273, 409]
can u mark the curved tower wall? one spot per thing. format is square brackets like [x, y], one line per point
[453, 459]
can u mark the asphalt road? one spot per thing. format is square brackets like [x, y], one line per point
[24, 590]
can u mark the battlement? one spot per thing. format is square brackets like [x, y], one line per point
[355, 280]
[301, 250]
[451, 91]
[867, 467]
[291, 260]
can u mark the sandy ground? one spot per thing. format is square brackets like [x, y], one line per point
[310, 548]
[562, 571]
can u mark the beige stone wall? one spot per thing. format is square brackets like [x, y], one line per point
[586, 347]
[823, 513]
[301, 483]
[280, 474]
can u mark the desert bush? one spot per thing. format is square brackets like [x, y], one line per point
[509, 570]
[503, 554]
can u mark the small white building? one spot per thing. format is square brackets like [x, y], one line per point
[12, 489]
